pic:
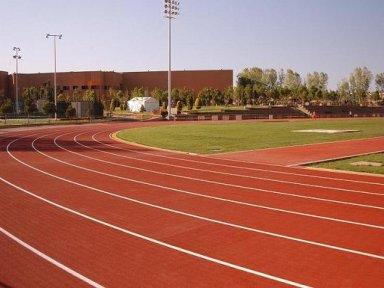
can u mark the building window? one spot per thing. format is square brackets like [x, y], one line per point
[84, 87]
[75, 87]
[94, 87]
[106, 87]
[65, 88]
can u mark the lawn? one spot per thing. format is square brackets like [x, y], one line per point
[208, 138]
[345, 164]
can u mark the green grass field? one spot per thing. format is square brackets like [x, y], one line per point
[208, 138]
[345, 164]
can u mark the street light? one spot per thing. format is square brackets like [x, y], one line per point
[54, 75]
[17, 57]
[171, 11]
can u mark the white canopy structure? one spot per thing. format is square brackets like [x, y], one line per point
[150, 104]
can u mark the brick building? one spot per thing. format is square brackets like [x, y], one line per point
[4, 91]
[101, 81]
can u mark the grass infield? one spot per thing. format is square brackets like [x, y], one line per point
[209, 138]
[345, 164]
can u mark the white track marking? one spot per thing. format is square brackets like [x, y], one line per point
[220, 173]
[205, 218]
[234, 201]
[241, 203]
[180, 190]
[158, 242]
[235, 166]
[46, 257]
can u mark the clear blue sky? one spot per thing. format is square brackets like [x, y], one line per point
[333, 36]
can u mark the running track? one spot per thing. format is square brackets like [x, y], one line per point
[78, 209]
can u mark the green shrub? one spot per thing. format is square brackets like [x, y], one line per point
[197, 103]
[49, 108]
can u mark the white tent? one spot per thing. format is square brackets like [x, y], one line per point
[150, 104]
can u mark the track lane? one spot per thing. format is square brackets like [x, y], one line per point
[22, 268]
[266, 221]
[290, 263]
[187, 235]
[299, 175]
[237, 181]
[201, 187]
[112, 256]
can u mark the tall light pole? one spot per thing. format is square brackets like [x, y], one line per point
[171, 10]
[17, 57]
[54, 36]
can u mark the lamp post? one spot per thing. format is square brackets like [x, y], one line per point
[54, 36]
[17, 57]
[171, 10]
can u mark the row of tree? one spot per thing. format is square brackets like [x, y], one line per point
[268, 85]
[258, 86]
[255, 86]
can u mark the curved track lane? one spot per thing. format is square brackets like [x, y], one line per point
[117, 214]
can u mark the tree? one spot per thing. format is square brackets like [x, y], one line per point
[331, 96]
[160, 95]
[49, 108]
[137, 92]
[317, 84]
[76, 95]
[302, 94]
[228, 95]
[238, 95]
[188, 97]
[30, 96]
[197, 103]
[179, 106]
[250, 76]
[6, 108]
[90, 95]
[380, 82]
[344, 92]
[292, 80]
[205, 96]
[269, 78]
[359, 82]
[175, 96]
[248, 94]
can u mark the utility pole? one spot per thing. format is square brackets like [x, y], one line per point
[17, 57]
[54, 36]
[171, 11]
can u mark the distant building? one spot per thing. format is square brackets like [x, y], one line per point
[150, 104]
[101, 81]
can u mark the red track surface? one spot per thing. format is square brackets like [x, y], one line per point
[125, 216]
[302, 154]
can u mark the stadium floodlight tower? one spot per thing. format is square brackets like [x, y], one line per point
[17, 57]
[54, 75]
[171, 11]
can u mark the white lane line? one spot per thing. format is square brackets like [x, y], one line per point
[161, 243]
[205, 218]
[228, 200]
[238, 167]
[224, 173]
[46, 257]
[179, 190]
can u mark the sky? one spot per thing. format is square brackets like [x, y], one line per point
[332, 36]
